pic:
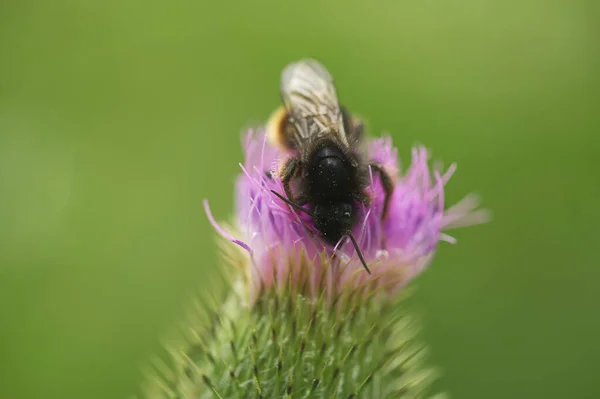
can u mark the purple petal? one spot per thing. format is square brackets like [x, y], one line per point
[221, 231]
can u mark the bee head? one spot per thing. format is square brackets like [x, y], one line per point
[333, 220]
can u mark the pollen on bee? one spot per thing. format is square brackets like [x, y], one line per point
[276, 127]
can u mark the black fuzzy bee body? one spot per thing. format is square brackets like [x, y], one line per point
[326, 158]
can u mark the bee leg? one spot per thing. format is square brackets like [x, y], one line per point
[288, 172]
[301, 200]
[362, 198]
[388, 186]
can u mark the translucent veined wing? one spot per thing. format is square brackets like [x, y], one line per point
[311, 101]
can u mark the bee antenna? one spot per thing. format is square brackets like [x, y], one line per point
[292, 204]
[360, 256]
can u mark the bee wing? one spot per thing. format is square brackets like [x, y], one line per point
[309, 95]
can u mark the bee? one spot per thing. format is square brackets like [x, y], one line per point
[326, 167]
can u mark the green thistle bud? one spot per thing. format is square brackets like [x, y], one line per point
[289, 345]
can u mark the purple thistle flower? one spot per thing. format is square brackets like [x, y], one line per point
[282, 247]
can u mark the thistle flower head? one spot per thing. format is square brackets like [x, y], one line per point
[291, 342]
[282, 246]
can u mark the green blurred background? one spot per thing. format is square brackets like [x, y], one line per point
[118, 117]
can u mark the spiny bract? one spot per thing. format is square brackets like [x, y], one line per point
[289, 346]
